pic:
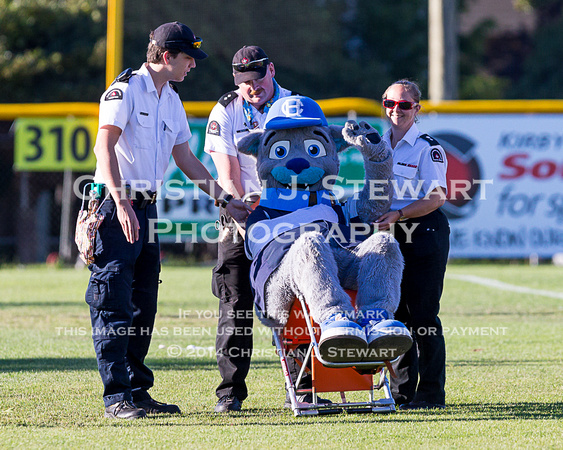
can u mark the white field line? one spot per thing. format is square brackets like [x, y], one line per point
[504, 286]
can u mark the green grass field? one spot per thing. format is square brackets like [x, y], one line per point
[504, 370]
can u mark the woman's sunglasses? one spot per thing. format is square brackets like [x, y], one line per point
[403, 104]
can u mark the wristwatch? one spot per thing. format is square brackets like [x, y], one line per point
[224, 201]
[402, 217]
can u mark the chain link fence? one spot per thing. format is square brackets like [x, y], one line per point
[31, 209]
[39, 211]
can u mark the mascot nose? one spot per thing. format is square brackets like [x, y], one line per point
[297, 165]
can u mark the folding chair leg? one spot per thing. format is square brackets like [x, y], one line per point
[304, 365]
[387, 390]
[288, 382]
[290, 386]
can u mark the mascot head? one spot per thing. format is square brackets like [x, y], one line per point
[297, 149]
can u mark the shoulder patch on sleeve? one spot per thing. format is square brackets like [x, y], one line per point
[429, 139]
[124, 76]
[227, 98]
[436, 155]
[214, 128]
[114, 94]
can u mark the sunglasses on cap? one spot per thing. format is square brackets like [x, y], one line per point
[251, 65]
[195, 44]
[403, 104]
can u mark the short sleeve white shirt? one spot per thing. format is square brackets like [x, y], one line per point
[150, 127]
[419, 167]
[227, 125]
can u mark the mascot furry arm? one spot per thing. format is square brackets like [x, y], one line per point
[304, 243]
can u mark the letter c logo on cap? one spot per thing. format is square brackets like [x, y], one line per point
[292, 108]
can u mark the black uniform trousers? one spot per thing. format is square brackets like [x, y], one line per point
[233, 344]
[421, 372]
[122, 295]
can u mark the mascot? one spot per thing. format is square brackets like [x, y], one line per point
[304, 243]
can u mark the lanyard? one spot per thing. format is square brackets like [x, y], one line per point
[249, 114]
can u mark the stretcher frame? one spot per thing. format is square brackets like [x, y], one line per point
[328, 376]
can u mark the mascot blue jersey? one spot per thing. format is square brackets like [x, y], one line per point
[272, 230]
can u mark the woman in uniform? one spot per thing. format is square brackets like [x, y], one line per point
[422, 229]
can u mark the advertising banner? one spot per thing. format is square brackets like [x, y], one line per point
[506, 183]
[505, 178]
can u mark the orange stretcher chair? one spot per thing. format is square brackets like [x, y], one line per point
[329, 376]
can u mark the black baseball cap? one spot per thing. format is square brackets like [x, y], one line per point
[249, 63]
[177, 36]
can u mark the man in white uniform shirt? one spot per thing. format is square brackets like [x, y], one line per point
[233, 117]
[142, 122]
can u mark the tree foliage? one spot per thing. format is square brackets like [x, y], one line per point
[54, 50]
[51, 50]
[320, 48]
[542, 75]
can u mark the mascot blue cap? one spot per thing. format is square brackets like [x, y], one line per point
[294, 111]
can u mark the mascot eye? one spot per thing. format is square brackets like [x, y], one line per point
[279, 150]
[315, 148]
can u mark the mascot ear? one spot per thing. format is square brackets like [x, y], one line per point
[250, 143]
[336, 134]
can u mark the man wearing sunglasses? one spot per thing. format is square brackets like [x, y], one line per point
[142, 122]
[235, 115]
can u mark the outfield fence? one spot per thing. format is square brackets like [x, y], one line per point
[505, 172]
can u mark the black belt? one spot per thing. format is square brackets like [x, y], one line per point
[140, 199]
[143, 198]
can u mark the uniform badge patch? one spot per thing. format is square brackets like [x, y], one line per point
[214, 128]
[436, 155]
[114, 94]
